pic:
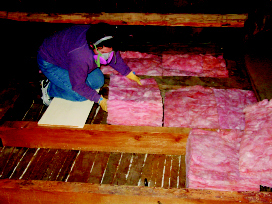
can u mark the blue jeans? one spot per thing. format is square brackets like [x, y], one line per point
[60, 85]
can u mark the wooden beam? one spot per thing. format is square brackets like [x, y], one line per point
[155, 19]
[30, 191]
[107, 138]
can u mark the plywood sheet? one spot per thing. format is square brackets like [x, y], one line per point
[62, 112]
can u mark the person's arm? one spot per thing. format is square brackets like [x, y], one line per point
[119, 65]
[78, 72]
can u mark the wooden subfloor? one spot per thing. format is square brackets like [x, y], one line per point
[115, 168]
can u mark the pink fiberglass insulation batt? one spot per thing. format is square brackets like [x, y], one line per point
[123, 82]
[230, 106]
[137, 55]
[145, 66]
[134, 105]
[194, 65]
[193, 107]
[142, 66]
[140, 63]
[256, 145]
[183, 62]
[211, 62]
[199, 107]
[173, 65]
[212, 161]
[214, 67]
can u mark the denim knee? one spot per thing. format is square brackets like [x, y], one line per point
[95, 79]
[99, 83]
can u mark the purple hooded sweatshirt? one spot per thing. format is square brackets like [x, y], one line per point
[69, 50]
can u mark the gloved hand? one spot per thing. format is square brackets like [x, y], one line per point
[103, 103]
[133, 77]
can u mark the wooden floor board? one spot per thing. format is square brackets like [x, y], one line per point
[98, 167]
[167, 171]
[135, 170]
[123, 168]
[44, 164]
[23, 164]
[5, 155]
[174, 171]
[56, 165]
[158, 171]
[20, 107]
[92, 114]
[155, 178]
[67, 165]
[35, 112]
[101, 117]
[82, 167]
[147, 170]
[34, 165]
[112, 166]
[53, 166]
[14, 160]
[182, 172]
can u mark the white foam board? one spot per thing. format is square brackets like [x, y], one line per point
[62, 112]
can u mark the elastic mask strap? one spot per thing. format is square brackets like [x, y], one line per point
[97, 62]
[115, 58]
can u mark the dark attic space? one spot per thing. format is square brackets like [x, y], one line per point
[21, 41]
[183, 115]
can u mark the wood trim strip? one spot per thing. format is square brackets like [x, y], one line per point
[155, 19]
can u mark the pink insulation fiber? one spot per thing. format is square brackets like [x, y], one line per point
[212, 161]
[256, 145]
[230, 105]
[134, 105]
[193, 107]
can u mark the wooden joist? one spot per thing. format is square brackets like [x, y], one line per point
[31, 191]
[156, 19]
[107, 138]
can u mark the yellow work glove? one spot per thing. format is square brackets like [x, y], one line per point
[133, 77]
[103, 103]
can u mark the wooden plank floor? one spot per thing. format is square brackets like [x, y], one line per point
[166, 171]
